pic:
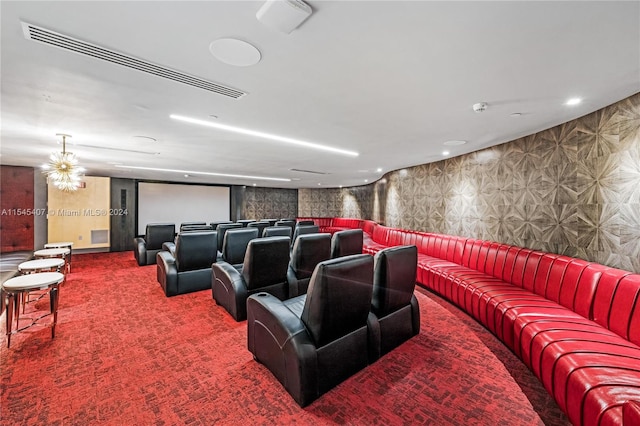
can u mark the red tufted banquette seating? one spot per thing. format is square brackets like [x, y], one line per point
[574, 323]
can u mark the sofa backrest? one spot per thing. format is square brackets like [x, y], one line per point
[368, 226]
[344, 222]
[616, 305]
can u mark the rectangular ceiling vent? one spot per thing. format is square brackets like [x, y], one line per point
[52, 38]
[309, 171]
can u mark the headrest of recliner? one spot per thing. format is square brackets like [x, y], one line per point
[189, 228]
[305, 229]
[265, 262]
[215, 225]
[158, 233]
[272, 231]
[308, 251]
[394, 279]
[195, 250]
[235, 244]
[345, 243]
[339, 297]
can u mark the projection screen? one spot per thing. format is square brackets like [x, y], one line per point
[175, 203]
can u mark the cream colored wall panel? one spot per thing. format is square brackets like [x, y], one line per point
[72, 216]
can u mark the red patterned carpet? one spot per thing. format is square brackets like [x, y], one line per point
[126, 354]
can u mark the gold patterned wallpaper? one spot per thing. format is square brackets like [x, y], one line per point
[572, 189]
[269, 203]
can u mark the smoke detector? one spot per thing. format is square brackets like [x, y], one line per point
[480, 106]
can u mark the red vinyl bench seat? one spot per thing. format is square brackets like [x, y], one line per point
[574, 323]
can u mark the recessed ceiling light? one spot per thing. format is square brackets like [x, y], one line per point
[366, 180]
[379, 169]
[186, 175]
[319, 184]
[254, 184]
[235, 52]
[263, 135]
[454, 143]
[515, 114]
[573, 101]
[191, 172]
[340, 186]
[445, 152]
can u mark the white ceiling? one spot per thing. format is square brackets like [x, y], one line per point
[391, 80]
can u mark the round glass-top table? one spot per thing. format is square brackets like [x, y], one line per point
[15, 289]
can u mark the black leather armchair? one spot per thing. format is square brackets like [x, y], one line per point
[264, 269]
[277, 231]
[346, 243]
[190, 269]
[146, 248]
[314, 342]
[305, 222]
[308, 251]
[396, 314]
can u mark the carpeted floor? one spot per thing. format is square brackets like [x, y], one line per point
[126, 354]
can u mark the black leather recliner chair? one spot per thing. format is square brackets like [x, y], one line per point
[305, 222]
[146, 248]
[395, 309]
[264, 269]
[190, 269]
[308, 251]
[346, 243]
[314, 342]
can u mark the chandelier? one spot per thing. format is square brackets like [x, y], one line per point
[62, 169]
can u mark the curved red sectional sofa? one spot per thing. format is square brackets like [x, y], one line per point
[575, 324]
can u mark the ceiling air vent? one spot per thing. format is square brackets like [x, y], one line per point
[52, 38]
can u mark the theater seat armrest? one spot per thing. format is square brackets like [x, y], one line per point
[287, 342]
[167, 273]
[270, 310]
[140, 251]
[170, 247]
[229, 289]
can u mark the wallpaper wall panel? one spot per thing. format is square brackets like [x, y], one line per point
[269, 203]
[17, 208]
[572, 189]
